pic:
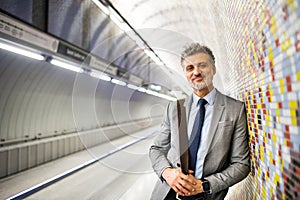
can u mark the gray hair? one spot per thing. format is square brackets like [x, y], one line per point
[194, 48]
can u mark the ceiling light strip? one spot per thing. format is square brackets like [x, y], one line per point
[21, 51]
[66, 65]
[100, 75]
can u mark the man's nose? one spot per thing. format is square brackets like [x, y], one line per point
[196, 71]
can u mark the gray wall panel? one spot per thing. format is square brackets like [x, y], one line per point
[60, 148]
[32, 156]
[66, 146]
[40, 153]
[23, 158]
[4, 163]
[54, 149]
[13, 161]
[48, 152]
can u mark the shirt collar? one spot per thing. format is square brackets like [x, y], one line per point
[210, 98]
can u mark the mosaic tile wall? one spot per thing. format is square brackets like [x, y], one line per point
[263, 47]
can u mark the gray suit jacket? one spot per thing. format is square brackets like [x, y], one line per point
[227, 156]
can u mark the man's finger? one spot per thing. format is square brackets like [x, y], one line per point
[177, 190]
[181, 190]
[186, 185]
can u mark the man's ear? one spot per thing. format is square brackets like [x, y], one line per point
[214, 69]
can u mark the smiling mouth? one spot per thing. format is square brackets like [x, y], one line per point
[197, 79]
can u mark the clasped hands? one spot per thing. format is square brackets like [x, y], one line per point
[184, 185]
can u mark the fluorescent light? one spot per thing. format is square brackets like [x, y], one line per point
[141, 89]
[155, 87]
[132, 86]
[164, 96]
[151, 92]
[118, 82]
[100, 75]
[20, 51]
[101, 6]
[66, 65]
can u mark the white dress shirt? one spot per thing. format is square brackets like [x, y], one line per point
[210, 98]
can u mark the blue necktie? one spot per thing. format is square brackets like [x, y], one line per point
[195, 137]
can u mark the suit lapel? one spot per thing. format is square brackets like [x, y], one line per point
[183, 107]
[187, 104]
[216, 116]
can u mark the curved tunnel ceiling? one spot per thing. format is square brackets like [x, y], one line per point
[165, 27]
[169, 25]
[108, 41]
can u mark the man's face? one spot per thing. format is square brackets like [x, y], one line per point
[199, 71]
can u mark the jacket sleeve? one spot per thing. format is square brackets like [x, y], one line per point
[239, 163]
[161, 145]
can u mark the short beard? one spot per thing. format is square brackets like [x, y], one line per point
[198, 86]
[202, 85]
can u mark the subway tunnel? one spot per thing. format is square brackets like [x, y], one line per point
[85, 83]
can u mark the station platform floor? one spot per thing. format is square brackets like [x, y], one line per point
[123, 173]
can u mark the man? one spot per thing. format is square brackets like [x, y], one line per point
[220, 156]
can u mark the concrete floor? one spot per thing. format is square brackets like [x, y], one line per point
[126, 174]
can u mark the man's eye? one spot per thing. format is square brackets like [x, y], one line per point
[202, 65]
[189, 68]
